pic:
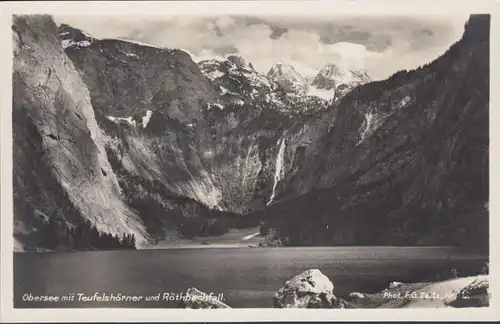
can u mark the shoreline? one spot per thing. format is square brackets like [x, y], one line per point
[254, 245]
[427, 294]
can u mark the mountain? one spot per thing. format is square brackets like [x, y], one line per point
[173, 154]
[239, 83]
[117, 138]
[288, 78]
[62, 176]
[237, 80]
[340, 80]
[331, 83]
[404, 162]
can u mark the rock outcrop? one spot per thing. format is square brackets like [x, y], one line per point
[476, 294]
[395, 284]
[310, 289]
[356, 295]
[61, 171]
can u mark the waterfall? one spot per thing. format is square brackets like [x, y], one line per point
[278, 169]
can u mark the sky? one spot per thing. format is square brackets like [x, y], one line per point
[378, 45]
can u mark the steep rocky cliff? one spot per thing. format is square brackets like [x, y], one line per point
[405, 160]
[171, 151]
[60, 169]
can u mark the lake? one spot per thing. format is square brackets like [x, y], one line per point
[245, 277]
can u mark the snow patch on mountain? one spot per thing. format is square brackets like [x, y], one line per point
[146, 118]
[256, 78]
[70, 43]
[131, 55]
[133, 42]
[212, 105]
[236, 78]
[404, 102]
[129, 120]
[212, 69]
[216, 74]
[321, 93]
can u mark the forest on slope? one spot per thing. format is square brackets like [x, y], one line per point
[418, 171]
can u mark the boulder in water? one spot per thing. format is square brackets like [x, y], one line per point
[395, 284]
[356, 295]
[310, 289]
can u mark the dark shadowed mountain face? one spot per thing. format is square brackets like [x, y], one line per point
[406, 161]
[139, 139]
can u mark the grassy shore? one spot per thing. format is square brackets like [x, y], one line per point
[233, 239]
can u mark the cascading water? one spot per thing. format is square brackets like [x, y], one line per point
[279, 167]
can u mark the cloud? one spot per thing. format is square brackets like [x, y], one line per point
[379, 45]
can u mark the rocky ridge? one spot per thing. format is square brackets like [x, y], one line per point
[196, 148]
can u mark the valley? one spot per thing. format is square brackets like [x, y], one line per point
[141, 140]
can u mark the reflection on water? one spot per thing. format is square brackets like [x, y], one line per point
[245, 277]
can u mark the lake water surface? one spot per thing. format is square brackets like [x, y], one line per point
[245, 277]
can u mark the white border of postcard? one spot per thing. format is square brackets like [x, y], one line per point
[332, 7]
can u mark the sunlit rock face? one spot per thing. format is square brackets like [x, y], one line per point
[60, 166]
[287, 78]
[141, 139]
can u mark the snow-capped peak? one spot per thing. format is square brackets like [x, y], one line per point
[236, 78]
[237, 59]
[331, 76]
[287, 78]
[338, 80]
